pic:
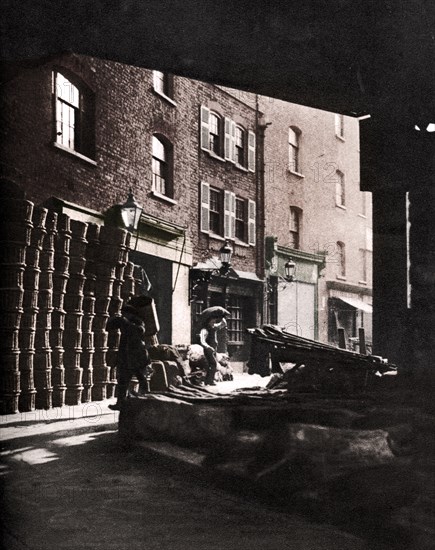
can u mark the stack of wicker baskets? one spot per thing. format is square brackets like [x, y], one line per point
[60, 280]
[88, 344]
[72, 338]
[42, 361]
[26, 336]
[16, 216]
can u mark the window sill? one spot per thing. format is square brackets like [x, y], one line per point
[298, 174]
[163, 197]
[341, 206]
[241, 168]
[214, 156]
[242, 243]
[341, 278]
[362, 283]
[362, 216]
[74, 154]
[215, 236]
[165, 97]
[341, 138]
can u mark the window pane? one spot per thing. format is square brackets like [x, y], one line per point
[158, 149]
[215, 211]
[236, 320]
[66, 90]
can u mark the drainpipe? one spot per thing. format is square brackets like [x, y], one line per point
[260, 129]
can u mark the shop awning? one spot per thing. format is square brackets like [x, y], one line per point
[357, 304]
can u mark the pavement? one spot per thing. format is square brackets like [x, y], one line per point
[69, 484]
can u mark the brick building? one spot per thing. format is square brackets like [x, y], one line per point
[78, 133]
[314, 207]
[315, 215]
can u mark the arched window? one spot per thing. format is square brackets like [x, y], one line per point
[340, 195]
[162, 166]
[74, 115]
[295, 227]
[294, 135]
[341, 258]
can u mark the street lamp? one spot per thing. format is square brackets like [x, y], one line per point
[289, 270]
[225, 256]
[130, 213]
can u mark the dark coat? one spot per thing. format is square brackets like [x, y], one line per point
[132, 351]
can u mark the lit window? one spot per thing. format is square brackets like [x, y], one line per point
[339, 125]
[340, 198]
[163, 83]
[240, 146]
[161, 161]
[295, 220]
[341, 259]
[74, 115]
[293, 150]
[240, 220]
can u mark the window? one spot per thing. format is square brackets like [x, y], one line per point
[240, 220]
[339, 189]
[294, 226]
[215, 134]
[339, 125]
[215, 211]
[341, 260]
[222, 137]
[236, 319]
[74, 115]
[164, 84]
[293, 149]
[161, 166]
[240, 146]
[224, 214]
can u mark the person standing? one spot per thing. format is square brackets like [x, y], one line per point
[208, 340]
[133, 358]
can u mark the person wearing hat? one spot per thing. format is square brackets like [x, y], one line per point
[207, 338]
[133, 358]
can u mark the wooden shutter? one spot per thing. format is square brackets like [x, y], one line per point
[233, 141]
[205, 130]
[205, 207]
[155, 80]
[251, 151]
[229, 215]
[251, 222]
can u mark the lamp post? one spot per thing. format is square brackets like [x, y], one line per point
[130, 213]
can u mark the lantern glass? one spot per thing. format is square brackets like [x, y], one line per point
[289, 268]
[130, 213]
[225, 253]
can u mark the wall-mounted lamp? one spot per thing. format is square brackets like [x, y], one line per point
[202, 277]
[289, 270]
[130, 213]
[225, 253]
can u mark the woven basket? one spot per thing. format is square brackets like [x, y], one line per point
[11, 298]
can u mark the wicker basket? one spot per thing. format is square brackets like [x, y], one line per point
[11, 298]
